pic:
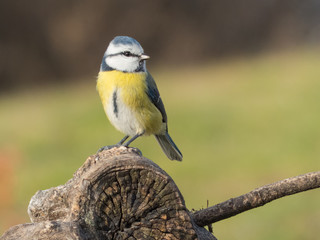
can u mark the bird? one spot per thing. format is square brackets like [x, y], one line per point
[130, 96]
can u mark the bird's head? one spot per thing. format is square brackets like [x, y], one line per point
[124, 54]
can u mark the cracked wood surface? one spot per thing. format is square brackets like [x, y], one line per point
[116, 194]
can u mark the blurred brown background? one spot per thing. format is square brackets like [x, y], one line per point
[57, 41]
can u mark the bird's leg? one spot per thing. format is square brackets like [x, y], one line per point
[121, 143]
[122, 140]
[132, 139]
[112, 146]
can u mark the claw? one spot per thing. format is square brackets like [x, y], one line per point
[136, 150]
[107, 147]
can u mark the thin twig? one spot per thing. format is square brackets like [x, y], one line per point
[257, 198]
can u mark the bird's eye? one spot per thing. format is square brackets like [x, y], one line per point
[127, 53]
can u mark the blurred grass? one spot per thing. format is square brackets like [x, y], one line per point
[240, 124]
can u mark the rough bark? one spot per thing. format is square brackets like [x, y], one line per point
[257, 198]
[116, 194]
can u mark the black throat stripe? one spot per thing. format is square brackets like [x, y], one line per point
[115, 105]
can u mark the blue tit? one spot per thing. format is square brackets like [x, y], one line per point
[130, 96]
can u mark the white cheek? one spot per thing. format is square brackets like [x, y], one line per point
[122, 63]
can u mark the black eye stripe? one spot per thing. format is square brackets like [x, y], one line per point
[129, 54]
[126, 54]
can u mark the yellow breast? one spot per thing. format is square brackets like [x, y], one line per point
[132, 88]
[130, 82]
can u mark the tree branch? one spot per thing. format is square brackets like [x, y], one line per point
[257, 198]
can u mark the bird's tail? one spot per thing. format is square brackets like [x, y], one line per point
[169, 147]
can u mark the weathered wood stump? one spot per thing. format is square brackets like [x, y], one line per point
[116, 194]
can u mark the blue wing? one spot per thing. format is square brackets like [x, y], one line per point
[154, 96]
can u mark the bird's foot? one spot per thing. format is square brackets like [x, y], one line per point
[136, 150]
[108, 147]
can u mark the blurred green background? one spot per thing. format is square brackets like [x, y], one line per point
[240, 81]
